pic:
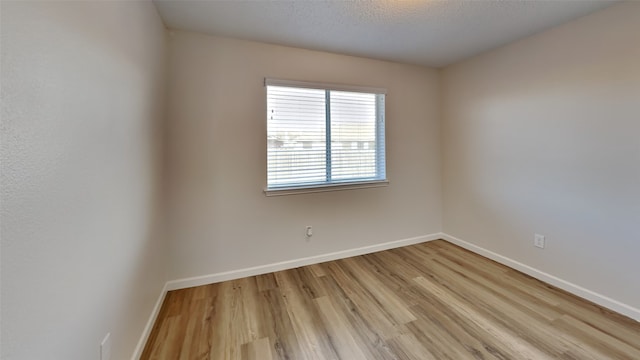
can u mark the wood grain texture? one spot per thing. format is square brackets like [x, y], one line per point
[427, 301]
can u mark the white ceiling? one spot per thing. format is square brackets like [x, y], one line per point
[426, 32]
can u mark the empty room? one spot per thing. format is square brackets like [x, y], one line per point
[270, 180]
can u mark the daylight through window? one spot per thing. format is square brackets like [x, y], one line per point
[320, 136]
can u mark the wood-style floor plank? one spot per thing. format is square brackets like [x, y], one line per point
[427, 301]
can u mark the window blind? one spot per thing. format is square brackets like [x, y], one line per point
[317, 136]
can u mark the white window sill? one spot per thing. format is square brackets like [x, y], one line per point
[325, 187]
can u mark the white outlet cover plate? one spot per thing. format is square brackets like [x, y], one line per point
[105, 348]
[538, 241]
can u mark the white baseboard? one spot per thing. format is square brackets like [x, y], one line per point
[577, 290]
[599, 299]
[149, 326]
[290, 264]
[264, 269]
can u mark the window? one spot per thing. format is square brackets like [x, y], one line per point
[322, 136]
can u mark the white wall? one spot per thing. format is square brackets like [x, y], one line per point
[543, 135]
[220, 219]
[82, 94]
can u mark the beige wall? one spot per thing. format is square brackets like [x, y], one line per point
[219, 216]
[538, 136]
[82, 95]
[543, 135]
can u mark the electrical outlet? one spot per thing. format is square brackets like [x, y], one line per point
[105, 348]
[308, 231]
[538, 241]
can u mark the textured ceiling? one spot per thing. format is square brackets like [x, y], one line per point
[425, 32]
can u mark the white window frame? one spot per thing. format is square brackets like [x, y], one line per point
[329, 186]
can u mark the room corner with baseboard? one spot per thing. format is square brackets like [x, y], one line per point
[134, 163]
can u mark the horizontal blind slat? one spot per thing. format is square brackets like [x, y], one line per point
[297, 130]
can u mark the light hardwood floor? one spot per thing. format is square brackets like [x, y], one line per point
[427, 301]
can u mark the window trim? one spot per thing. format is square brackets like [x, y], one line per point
[340, 185]
[323, 86]
[307, 189]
